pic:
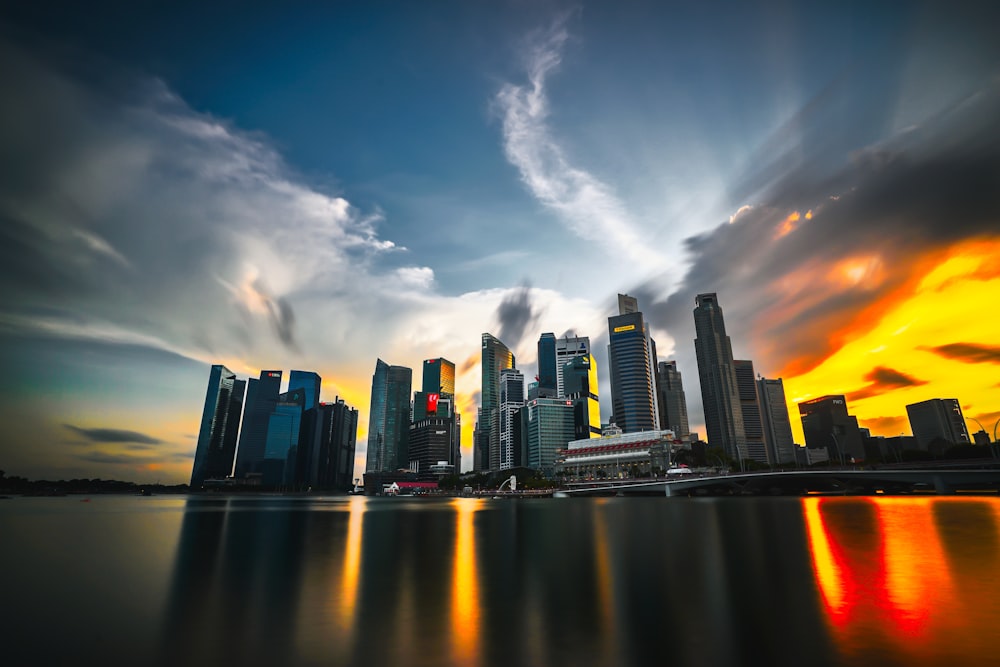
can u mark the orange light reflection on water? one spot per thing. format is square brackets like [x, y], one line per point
[352, 565]
[898, 592]
[465, 604]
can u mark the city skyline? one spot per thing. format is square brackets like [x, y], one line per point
[321, 188]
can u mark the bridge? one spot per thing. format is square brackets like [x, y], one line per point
[939, 480]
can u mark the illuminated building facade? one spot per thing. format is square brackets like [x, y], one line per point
[495, 358]
[632, 358]
[579, 380]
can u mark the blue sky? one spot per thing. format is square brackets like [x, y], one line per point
[316, 187]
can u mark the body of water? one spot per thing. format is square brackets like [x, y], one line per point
[263, 580]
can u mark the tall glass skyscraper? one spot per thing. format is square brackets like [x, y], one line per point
[284, 437]
[439, 377]
[673, 403]
[579, 378]
[262, 397]
[333, 460]
[511, 400]
[632, 357]
[753, 423]
[777, 425]
[719, 391]
[495, 358]
[309, 382]
[220, 423]
[567, 349]
[937, 419]
[548, 369]
[389, 418]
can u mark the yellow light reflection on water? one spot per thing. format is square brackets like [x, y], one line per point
[465, 614]
[605, 579]
[351, 571]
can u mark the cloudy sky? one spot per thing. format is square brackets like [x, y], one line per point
[317, 188]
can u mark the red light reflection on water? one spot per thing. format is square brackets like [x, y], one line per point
[888, 584]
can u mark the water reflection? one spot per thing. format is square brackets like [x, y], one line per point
[903, 578]
[637, 581]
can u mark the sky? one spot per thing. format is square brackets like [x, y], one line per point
[316, 187]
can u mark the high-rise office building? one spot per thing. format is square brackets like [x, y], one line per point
[332, 464]
[389, 418]
[495, 357]
[716, 371]
[568, 348]
[632, 358]
[548, 369]
[261, 399]
[439, 377]
[309, 382]
[937, 419]
[511, 400]
[284, 437]
[579, 377]
[480, 443]
[826, 423]
[776, 423]
[673, 404]
[753, 424]
[547, 426]
[220, 423]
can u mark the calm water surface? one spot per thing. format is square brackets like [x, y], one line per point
[577, 581]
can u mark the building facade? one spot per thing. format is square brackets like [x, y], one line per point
[717, 374]
[776, 422]
[511, 400]
[937, 419]
[495, 358]
[827, 424]
[261, 399]
[579, 377]
[753, 423]
[632, 360]
[389, 420]
[547, 427]
[220, 423]
[333, 459]
[673, 403]
[567, 349]
[548, 369]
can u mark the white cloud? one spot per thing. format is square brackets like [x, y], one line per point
[585, 204]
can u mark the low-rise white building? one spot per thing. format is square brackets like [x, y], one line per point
[617, 455]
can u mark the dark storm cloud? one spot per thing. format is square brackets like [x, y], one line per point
[113, 435]
[972, 353]
[792, 288]
[881, 380]
[515, 315]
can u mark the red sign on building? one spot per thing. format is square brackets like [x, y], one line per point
[432, 403]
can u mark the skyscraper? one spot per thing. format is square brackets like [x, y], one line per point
[309, 382]
[439, 377]
[826, 423]
[632, 357]
[753, 425]
[284, 436]
[262, 397]
[673, 403]
[495, 358]
[389, 418]
[220, 422]
[548, 369]
[776, 423]
[567, 348]
[579, 376]
[547, 426]
[333, 459]
[937, 419]
[511, 400]
[719, 390]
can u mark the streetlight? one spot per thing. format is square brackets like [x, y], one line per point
[993, 452]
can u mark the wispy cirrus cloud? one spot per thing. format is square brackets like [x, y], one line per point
[972, 353]
[584, 203]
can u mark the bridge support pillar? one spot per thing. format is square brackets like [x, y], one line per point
[941, 487]
[666, 490]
